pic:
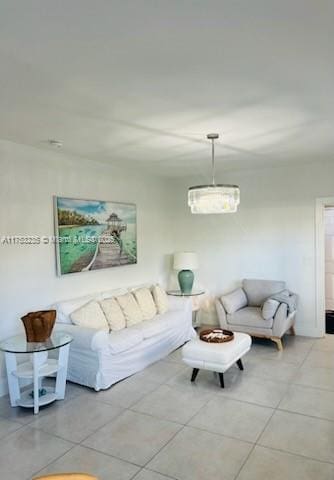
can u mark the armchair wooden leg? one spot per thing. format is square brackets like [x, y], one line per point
[292, 330]
[278, 342]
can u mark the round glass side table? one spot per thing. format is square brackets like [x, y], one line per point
[38, 366]
[193, 294]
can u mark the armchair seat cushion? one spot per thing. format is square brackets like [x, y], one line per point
[249, 317]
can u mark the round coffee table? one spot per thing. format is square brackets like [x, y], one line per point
[37, 367]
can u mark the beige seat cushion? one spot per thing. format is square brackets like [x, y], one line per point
[160, 298]
[90, 315]
[130, 308]
[146, 303]
[113, 313]
[249, 317]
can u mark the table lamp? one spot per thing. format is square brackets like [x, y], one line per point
[185, 262]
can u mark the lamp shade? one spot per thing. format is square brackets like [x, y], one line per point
[185, 261]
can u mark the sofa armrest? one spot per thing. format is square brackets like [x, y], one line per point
[85, 338]
[221, 314]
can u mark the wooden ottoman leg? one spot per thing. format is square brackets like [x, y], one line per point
[221, 379]
[194, 374]
[240, 365]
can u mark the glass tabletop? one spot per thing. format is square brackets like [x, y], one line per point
[19, 344]
[178, 293]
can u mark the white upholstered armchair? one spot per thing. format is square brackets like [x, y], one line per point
[261, 308]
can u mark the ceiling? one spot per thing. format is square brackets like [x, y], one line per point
[140, 83]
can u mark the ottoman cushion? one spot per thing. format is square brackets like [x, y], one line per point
[216, 356]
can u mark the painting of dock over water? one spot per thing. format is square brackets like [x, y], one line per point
[94, 234]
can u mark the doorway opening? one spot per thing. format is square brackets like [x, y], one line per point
[325, 265]
[329, 269]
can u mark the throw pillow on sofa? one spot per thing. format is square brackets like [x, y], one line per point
[160, 298]
[66, 307]
[234, 301]
[113, 314]
[90, 315]
[146, 303]
[130, 308]
[269, 308]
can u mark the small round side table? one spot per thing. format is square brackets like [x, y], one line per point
[37, 367]
[194, 296]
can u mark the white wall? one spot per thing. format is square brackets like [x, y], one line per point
[29, 177]
[272, 235]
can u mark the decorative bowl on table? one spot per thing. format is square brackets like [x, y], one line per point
[216, 335]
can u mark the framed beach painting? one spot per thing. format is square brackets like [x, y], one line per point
[94, 234]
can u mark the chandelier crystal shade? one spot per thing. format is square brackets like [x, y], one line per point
[213, 198]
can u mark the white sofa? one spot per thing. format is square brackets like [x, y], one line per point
[99, 359]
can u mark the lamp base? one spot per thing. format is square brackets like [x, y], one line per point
[186, 281]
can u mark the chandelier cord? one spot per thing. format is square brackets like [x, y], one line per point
[213, 161]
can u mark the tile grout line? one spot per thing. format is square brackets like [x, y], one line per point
[293, 454]
[305, 415]
[172, 438]
[255, 444]
[111, 456]
[54, 460]
[267, 423]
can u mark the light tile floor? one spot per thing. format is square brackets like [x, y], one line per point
[273, 421]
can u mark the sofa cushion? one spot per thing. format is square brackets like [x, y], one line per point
[113, 293]
[249, 317]
[65, 308]
[146, 303]
[90, 315]
[161, 299]
[113, 314]
[159, 324]
[234, 301]
[269, 308]
[124, 340]
[257, 291]
[130, 309]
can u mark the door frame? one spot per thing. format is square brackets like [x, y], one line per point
[321, 204]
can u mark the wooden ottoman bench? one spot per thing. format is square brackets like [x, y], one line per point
[217, 357]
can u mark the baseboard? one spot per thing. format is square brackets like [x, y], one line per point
[309, 331]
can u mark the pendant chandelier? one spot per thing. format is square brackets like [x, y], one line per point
[216, 197]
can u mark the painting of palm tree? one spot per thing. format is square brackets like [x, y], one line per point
[94, 234]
